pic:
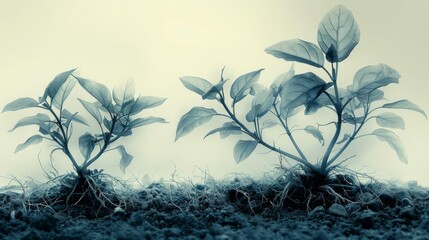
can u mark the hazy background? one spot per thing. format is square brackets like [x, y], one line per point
[156, 42]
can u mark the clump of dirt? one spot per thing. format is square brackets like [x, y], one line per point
[237, 209]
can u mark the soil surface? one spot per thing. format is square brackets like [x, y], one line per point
[239, 209]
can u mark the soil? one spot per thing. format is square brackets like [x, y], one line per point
[238, 209]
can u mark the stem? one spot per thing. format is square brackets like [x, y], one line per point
[251, 134]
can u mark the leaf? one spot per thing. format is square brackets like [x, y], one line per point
[86, 145]
[212, 93]
[56, 135]
[390, 120]
[73, 117]
[125, 158]
[38, 119]
[299, 51]
[31, 141]
[393, 140]
[301, 89]
[63, 92]
[316, 133]
[226, 130]
[97, 90]
[225, 134]
[20, 103]
[125, 94]
[265, 99]
[196, 117]
[278, 83]
[370, 97]
[345, 138]
[145, 121]
[243, 84]
[352, 120]
[92, 109]
[142, 103]
[338, 34]
[269, 124]
[256, 89]
[56, 84]
[405, 104]
[372, 77]
[196, 84]
[243, 149]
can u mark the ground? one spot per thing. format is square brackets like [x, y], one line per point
[238, 209]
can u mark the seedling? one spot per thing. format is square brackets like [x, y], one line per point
[353, 106]
[114, 113]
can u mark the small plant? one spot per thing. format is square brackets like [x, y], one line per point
[352, 107]
[115, 118]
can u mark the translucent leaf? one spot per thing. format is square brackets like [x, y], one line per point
[405, 104]
[345, 138]
[97, 90]
[38, 119]
[63, 92]
[142, 103]
[390, 120]
[269, 124]
[338, 34]
[372, 77]
[32, 140]
[256, 89]
[243, 84]
[125, 158]
[125, 94]
[243, 149]
[20, 103]
[261, 104]
[58, 136]
[370, 97]
[196, 117]
[146, 121]
[214, 91]
[56, 84]
[73, 117]
[196, 84]
[393, 140]
[92, 109]
[281, 80]
[348, 118]
[299, 51]
[86, 145]
[300, 90]
[225, 130]
[316, 133]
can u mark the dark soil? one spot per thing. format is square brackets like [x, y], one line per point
[240, 209]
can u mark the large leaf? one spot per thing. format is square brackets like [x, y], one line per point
[243, 149]
[32, 140]
[370, 97]
[261, 104]
[393, 140]
[125, 158]
[299, 51]
[56, 84]
[196, 117]
[243, 84]
[142, 103]
[214, 91]
[372, 77]
[405, 104]
[390, 120]
[92, 109]
[139, 122]
[196, 84]
[300, 90]
[316, 133]
[338, 34]
[97, 90]
[63, 92]
[38, 119]
[86, 145]
[20, 103]
[226, 130]
[125, 94]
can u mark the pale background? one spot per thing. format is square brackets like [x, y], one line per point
[156, 42]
